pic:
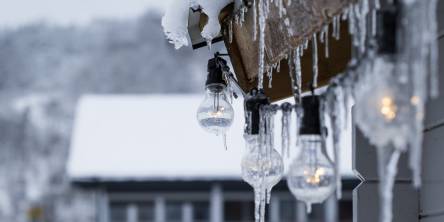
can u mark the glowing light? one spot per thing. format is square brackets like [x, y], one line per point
[415, 100]
[388, 108]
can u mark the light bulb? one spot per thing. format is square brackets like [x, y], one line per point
[261, 168]
[385, 107]
[215, 114]
[311, 177]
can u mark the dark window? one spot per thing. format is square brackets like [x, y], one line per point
[239, 211]
[346, 211]
[201, 211]
[145, 211]
[174, 211]
[317, 213]
[287, 210]
[118, 212]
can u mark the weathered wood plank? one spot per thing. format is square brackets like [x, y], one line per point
[306, 18]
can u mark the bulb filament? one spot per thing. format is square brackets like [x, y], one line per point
[388, 108]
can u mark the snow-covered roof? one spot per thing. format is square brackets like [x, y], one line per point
[156, 137]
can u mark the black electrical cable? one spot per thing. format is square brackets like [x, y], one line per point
[431, 214]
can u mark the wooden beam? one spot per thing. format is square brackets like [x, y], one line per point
[306, 19]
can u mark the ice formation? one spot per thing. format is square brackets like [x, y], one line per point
[286, 120]
[262, 166]
[175, 20]
[212, 9]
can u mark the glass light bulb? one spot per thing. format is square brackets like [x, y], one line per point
[385, 106]
[215, 114]
[311, 177]
[261, 166]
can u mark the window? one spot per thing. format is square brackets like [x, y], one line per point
[173, 211]
[317, 213]
[287, 210]
[201, 211]
[118, 212]
[239, 211]
[123, 211]
[145, 212]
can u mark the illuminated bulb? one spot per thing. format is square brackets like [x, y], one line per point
[311, 176]
[215, 114]
[388, 108]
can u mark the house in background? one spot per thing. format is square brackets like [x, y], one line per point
[145, 159]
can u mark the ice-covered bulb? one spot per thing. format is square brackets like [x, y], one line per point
[215, 114]
[261, 167]
[311, 177]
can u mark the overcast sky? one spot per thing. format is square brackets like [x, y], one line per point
[78, 12]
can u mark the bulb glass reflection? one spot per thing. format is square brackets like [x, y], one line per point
[311, 177]
[215, 114]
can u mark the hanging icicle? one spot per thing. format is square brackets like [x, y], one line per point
[262, 23]
[315, 61]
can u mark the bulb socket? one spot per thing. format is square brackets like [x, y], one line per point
[388, 23]
[253, 103]
[311, 122]
[216, 71]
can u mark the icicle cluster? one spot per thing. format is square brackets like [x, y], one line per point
[396, 87]
[334, 112]
[263, 166]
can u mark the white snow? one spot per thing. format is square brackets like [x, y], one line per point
[175, 20]
[175, 23]
[157, 137]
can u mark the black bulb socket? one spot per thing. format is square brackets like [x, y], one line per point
[311, 122]
[388, 24]
[216, 71]
[253, 104]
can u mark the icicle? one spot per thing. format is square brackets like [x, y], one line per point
[326, 36]
[364, 10]
[262, 23]
[263, 203]
[377, 4]
[308, 207]
[270, 76]
[351, 21]
[315, 61]
[306, 44]
[335, 26]
[374, 22]
[298, 72]
[230, 31]
[254, 20]
[433, 47]
[209, 44]
[389, 171]
[278, 68]
[224, 139]
[257, 204]
[268, 196]
[286, 119]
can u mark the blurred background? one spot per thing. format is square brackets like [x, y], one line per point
[97, 123]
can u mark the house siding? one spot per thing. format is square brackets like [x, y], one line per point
[432, 192]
